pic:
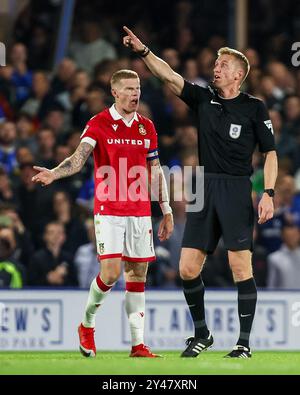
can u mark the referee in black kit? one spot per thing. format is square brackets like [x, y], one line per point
[230, 125]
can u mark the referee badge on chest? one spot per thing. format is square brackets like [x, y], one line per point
[235, 131]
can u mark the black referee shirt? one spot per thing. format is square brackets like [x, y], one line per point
[228, 129]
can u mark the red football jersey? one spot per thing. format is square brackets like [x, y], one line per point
[121, 151]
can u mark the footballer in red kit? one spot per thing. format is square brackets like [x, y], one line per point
[124, 145]
[120, 143]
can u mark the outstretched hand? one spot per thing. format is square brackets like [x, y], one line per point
[132, 41]
[44, 176]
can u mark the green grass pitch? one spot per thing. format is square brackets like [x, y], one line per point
[118, 363]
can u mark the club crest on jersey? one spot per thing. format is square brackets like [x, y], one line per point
[114, 126]
[142, 129]
[235, 131]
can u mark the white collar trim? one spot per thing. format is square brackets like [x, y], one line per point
[116, 116]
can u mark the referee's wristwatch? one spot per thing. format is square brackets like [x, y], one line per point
[270, 192]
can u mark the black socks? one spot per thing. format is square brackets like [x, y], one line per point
[194, 294]
[247, 297]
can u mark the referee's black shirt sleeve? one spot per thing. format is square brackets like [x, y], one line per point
[263, 128]
[193, 95]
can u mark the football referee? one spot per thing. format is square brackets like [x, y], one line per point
[230, 126]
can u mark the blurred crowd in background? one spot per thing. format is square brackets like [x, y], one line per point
[47, 234]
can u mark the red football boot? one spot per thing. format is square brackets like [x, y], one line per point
[142, 351]
[87, 343]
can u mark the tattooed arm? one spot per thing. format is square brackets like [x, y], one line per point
[71, 165]
[159, 191]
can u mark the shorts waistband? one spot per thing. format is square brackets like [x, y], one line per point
[225, 176]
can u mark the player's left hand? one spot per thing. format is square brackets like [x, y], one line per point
[265, 209]
[166, 227]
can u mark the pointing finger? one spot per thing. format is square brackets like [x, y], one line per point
[128, 31]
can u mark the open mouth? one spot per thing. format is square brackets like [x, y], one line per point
[134, 101]
[216, 77]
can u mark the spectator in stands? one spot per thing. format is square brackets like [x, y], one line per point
[55, 120]
[12, 273]
[103, 72]
[75, 231]
[24, 155]
[64, 76]
[25, 132]
[7, 191]
[37, 105]
[191, 73]
[285, 143]
[205, 60]
[272, 94]
[253, 57]
[82, 80]
[8, 136]
[35, 202]
[281, 76]
[23, 245]
[292, 117]
[91, 48]
[7, 92]
[85, 109]
[46, 143]
[21, 77]
[171, 56]
[51, 265]
[284, 265]
[73, 139]
[41, 45]
[290, 198]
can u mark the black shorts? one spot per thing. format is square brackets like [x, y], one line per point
[227, 212]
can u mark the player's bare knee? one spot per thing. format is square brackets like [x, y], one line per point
[137, 276]
[110, 276]
[110, 279]
[135, 271]
[188, 272]
[241, 271]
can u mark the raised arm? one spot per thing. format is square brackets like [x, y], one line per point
[157, 66]
[71, 165]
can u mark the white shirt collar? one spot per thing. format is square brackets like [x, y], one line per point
[116, 116]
